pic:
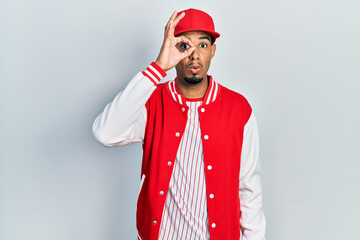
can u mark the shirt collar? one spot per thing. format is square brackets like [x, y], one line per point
[210, 95]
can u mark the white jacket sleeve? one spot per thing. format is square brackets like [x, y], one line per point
[252, 221]
[123, 120]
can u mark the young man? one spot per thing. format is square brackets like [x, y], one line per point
[200, 175]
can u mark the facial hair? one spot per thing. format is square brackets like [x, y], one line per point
[193, 80]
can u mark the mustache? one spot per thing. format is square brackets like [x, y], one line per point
[192, 64]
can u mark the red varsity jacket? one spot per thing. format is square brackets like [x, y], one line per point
[150, 112]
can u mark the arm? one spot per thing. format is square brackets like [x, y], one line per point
[123, 120]
[252, 221]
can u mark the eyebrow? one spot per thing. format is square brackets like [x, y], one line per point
[205, 38]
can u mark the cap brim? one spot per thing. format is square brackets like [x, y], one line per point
[215, 35]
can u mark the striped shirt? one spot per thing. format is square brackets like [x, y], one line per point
[185, 209]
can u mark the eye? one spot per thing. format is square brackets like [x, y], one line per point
[203, 45]
[185, 46]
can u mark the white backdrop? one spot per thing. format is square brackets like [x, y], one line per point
[61, 62]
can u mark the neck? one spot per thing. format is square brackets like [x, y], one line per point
[189, 90]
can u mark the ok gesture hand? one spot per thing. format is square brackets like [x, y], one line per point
[170, 55]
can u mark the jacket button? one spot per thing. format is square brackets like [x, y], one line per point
[155, 222]
[161, 192]
[206, 137]
[209, 167]
[177, 134]
[169, 163]
[202, 109]
[213, 225]
[211, 195]
[183, 109]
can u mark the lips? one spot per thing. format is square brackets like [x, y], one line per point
[194, 68]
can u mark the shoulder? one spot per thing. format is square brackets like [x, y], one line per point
[159, 93]
[235, 103]
[161, 87]
[232, 96]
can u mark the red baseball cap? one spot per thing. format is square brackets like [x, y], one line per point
[196, 20]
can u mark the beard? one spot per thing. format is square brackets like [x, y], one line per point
[193, 80]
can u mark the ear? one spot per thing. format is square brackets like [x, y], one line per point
[213, 49]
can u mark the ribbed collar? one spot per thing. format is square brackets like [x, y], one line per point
[210, 95]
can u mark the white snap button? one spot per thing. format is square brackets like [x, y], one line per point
[177, 134]
[206, 137]
[169, 163]
[213, 225]
[183, 109]
[161, 192]
[211, 195]
[209, 167]
[154, 222]
[202, 109]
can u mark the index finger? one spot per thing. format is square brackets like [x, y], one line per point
[171, 19]
[182, 39]
[172, 16]
[174, 22]
[178, 18]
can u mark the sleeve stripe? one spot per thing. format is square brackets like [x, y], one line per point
[151, 68]
[145, 74]
[158, 69]
[153, 74]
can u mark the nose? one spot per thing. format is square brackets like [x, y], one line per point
[195, 54]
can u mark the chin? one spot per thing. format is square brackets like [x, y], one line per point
[193, 79]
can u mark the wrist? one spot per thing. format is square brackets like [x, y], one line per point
[161, 65]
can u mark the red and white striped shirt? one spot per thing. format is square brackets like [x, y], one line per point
[185, 210]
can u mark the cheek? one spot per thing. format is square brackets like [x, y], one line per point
[181, 64]
[207, 54]
[207, 58]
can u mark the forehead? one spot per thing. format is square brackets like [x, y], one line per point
[195, 35]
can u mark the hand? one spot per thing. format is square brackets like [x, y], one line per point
[170, 55]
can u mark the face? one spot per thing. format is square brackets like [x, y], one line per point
[193, 69]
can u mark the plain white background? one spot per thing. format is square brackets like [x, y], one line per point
[61, 62]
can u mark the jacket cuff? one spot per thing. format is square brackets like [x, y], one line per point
[154, 73]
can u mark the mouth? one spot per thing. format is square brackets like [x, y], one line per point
[194, 68]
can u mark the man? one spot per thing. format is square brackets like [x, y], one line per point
[196, 134]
